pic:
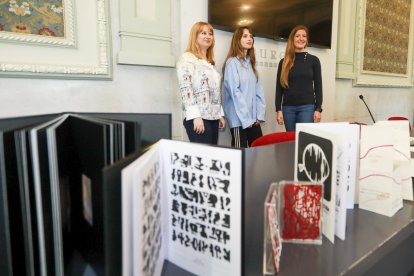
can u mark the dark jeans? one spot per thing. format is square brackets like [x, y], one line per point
[210, 135]
[243, 138]
[297, 114]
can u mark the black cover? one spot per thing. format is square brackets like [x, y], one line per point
[55, 158]
[5, 252]
[14, 257]
[113, 214]
[43, 198]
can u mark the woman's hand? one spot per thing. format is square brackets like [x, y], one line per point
[279, 117]
[222, 122]
[316, 116]
[198, 125]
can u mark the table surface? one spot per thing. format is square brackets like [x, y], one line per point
[369, 236]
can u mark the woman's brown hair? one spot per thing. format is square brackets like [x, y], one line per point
[193, 46]
[290, 55]
[236, 49]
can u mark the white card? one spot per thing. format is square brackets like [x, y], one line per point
[315, 161]
[379, 191]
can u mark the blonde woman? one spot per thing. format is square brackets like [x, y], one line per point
[299, 83]
[199, 83]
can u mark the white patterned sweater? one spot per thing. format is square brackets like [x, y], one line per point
[199, 84]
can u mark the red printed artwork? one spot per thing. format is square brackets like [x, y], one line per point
[274, 232]
[301, 211]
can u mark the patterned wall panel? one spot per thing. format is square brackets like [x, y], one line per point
[386, 40]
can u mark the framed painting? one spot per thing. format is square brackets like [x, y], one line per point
[384, 43]
[67, 39]
[38, 22]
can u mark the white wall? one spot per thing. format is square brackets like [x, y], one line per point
[133, 89]
[383, 102]
[341, 98]
[268, 54]
[155, 89]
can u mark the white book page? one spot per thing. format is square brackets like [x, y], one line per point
[316, 161]
[400, 133]
[204, 188]
[412, 167]
[146, 211]
[127, 239]
[379, 191]
[142, 251]
[344, 132]
[354, 131]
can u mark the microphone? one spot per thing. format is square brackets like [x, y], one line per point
[362, 98]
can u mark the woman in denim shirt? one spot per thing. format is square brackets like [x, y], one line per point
[244, 102]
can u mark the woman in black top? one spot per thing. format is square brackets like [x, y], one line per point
[299, 83]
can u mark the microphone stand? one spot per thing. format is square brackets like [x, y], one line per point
[362, 98]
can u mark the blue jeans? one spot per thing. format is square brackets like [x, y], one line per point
[297, 114]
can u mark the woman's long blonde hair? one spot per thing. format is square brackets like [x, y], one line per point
[236, 49]
[193, 46]
[290, 55]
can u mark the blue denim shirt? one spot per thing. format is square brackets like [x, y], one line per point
[244, 100]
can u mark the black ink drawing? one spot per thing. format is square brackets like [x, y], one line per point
[200, 204]
[315, 161]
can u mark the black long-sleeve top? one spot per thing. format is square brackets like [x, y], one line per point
[305, 82]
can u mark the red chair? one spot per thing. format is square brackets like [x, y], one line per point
[398, 118]
[274, 138]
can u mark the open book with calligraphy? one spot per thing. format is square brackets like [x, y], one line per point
[183, 202]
